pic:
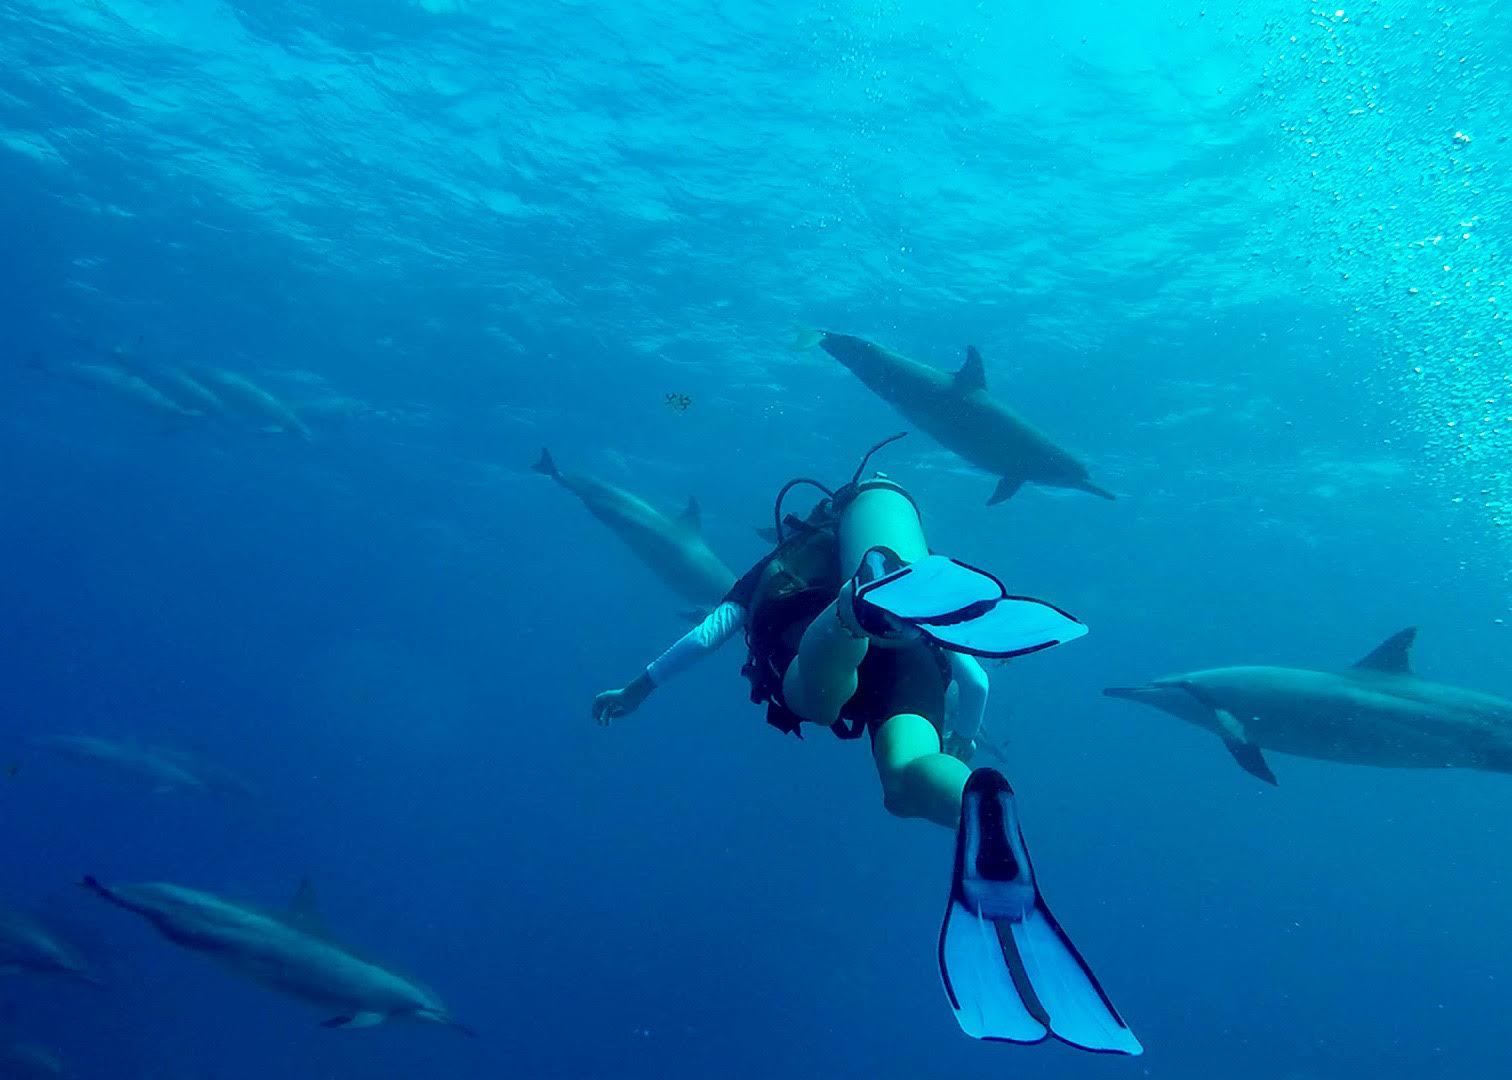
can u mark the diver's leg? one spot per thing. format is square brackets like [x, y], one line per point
[880, 515]
[822, 677]
[917, 779]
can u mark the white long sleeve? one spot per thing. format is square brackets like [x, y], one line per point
[718, 627]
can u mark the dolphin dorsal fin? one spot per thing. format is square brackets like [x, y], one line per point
[972, 375]
[692, 516]
[304, 913]
[1391, 654]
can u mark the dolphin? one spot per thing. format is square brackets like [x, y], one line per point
[170, 380]
[958, 412]
[163, 768]
[1377, 712]
[290, 951]
[254, 404]
[182, 388]
[26, 1061]
[673, 548]
[127, 385]
[28, 946]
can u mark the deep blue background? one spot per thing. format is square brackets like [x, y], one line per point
[1239, 260]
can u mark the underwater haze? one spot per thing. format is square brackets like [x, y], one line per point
[1249, 261]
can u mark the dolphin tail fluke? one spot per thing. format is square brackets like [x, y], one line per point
[806, 337]
[546, 466]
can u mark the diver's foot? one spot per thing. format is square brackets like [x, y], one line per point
[866, 619]
[956, 606]
[1010, 971]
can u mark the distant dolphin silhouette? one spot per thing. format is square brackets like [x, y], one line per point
[163, 768]
[27, 1061]
[256, 406]
[957, 411]
[1375, 713]
[26, 946]
[673, 548]
[290, 952]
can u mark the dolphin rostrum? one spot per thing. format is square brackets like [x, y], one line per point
[958, 412]
[28, 946]
[673, 548]
[1375, 713]
[289, 951]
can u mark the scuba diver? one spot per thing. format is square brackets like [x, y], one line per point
[851, 623]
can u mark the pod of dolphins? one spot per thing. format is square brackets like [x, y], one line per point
[1376, 712]
[181, 396]
[288, 950]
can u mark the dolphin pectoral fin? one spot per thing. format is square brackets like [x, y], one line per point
[1246, 753]
[1007, 488]
[356, 1020]
[1251, 760]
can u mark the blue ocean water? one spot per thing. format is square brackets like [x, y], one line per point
[1249, 260]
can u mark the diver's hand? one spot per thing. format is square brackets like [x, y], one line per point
[610, 706]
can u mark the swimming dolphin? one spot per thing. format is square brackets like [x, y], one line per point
[28, 946]
[170, 380]
[27, 1061]
[126, 385]
[254, 404]
[290, 952]
[165, 769]
[673, 548]
[1375, 713]
[957, 411]
[182, 388]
